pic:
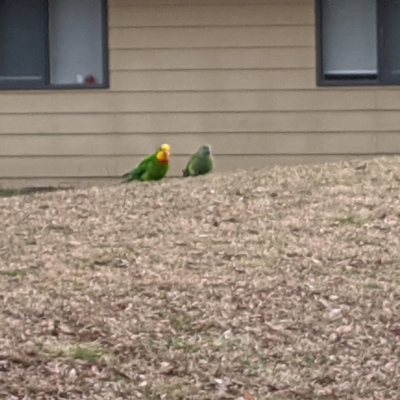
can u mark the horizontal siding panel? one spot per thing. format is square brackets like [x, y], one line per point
[387, 99]
[56, 123]
[213, 80]
[388, 142]
[211, 37]
[58, 102]
[106, 167]
[228, 101]
[262, 58]
[161, 15]
[368, 121]
[222, 144]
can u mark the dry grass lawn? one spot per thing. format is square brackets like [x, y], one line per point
[282, 283]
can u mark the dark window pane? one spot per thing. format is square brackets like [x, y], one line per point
[23, 39]
[390, 12]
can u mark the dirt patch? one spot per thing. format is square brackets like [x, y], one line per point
[281, 283]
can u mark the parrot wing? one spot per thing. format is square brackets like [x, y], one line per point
[188, 170]
[137, 174]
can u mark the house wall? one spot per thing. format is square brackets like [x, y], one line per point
[238, 74]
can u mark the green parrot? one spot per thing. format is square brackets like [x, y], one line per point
[200, 163]
[152, 168]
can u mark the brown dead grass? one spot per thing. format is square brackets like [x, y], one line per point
[277, 284]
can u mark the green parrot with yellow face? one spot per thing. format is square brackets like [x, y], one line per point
[200, 163]
[152, 168]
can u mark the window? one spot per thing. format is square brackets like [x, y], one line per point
[53, 44]
[358, 42]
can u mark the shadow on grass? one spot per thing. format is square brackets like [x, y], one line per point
[30, 190]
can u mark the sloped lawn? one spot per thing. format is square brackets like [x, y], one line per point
[281, 283]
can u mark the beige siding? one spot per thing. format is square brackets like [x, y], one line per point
[227, 144]
[239, 74]
[195, 124]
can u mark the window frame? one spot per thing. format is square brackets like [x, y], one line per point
[20, 84]
[324, 82]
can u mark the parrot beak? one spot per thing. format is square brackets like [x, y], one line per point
[167, 153]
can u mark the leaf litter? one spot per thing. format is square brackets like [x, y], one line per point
[281, 283]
